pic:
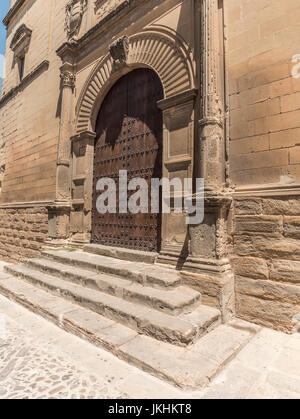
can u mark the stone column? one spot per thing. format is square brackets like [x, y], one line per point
[63, 190]
[59, 212]
[208, 241]
[211, 124]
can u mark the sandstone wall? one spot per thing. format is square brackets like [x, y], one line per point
[266, 260]
[262, 36]
[22, 232]
[29, 129]
[29, 118]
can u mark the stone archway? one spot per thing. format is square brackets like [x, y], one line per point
[167, 56]
[129, 138]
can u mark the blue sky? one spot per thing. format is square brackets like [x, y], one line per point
[4, 7]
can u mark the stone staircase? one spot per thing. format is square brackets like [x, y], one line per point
[123, 301]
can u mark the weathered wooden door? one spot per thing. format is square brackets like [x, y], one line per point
[129, 137]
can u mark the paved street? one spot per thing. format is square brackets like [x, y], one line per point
[39, 360]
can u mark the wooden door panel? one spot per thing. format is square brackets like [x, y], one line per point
[129, 137]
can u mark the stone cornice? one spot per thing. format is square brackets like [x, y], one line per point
[178, 99]
[12, 12]
[31, 204]
[67, 49]
[28, 79]
[267, 190]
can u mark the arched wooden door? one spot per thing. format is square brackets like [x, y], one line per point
[129, 137]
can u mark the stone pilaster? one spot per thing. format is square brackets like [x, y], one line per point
[82, 187]
[178, 139]
[211, 124]
[64, 145]
[59, 212]
[208, 261]
[58, 224]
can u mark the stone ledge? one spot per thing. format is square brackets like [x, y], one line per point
[24, 83]
[279, 189]
[13, 11]
[33, 204]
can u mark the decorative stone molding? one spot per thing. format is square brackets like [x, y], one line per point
[13, 11]
[276, 189]
[119, 50]
[29, 204]
[179, 99]
[160, 52]
[104, 7]
[75, 10]
[21, 40]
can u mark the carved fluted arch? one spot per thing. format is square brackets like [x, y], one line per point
[165, 54]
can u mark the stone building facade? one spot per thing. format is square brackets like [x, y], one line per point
[230, 114]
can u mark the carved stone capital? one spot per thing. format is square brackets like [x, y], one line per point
[68, 79]
[119, 50]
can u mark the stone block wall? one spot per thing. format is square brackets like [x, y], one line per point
[262, 37]
[23, 232]
[266, 260]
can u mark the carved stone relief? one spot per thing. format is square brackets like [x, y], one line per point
[105, 7]
[68, 79]
[119, 50]
[74, 12]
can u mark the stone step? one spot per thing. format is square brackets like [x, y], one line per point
[121, 253]
[173, 301]
[189, 368]
[143, 273]
[144, 320]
